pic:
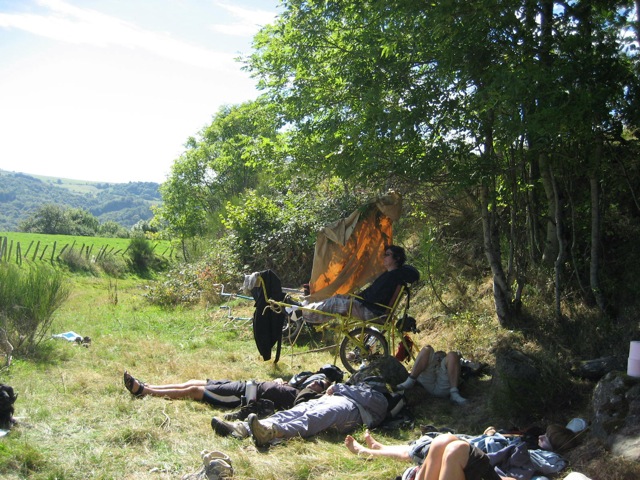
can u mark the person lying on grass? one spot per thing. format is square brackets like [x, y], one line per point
[541, 461]
[270, 395]
[343, 407]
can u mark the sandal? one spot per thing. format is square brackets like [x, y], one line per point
[129, 382]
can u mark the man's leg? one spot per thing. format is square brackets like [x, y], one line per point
[193, 389]
[193, 392]
[452, 362]
[420, 365]
[306, 419]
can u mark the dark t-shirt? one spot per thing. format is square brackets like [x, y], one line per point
[382, 290]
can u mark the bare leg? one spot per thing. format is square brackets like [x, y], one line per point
[453, 368]
[193, 389]
[370, 441]
[422, 361]
[399, 452]
[445, 460]
[419, 366]
[179, 386]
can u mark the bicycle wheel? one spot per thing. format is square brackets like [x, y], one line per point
[290, 328]
[361, 346]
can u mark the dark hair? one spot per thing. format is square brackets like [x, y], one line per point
[561, 438]
[397, 253]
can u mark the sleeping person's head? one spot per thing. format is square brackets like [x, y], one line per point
[558, 439]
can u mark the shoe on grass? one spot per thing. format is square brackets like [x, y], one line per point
[407, 384]
[218, 468]
[457, 399]
[262, 434]
[224, 429]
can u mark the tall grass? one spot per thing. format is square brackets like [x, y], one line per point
[28, 299]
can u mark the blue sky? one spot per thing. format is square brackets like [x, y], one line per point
[110, 90]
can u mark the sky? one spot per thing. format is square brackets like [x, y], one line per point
[110, 90]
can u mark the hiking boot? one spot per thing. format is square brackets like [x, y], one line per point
[218, 468]
[262, 434]
[242, 413]
[262, 407]
[224, 429]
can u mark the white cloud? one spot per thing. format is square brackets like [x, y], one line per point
[76, 25]
[249, 20]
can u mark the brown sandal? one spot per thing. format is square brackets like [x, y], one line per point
[129, 382]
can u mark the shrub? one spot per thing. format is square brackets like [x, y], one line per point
[77, 262]
[142, 260]
[28, 299]
[113, 265]
[179, 286]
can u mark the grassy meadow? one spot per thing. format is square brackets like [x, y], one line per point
[77, 421]
[37, 246]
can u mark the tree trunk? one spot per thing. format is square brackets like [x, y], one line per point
[551, 246]
[560, 258]
[594, 266]
[501, 293]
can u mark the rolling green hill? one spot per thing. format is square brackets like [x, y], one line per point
[124, 203]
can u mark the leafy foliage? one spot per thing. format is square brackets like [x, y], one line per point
[141, 257]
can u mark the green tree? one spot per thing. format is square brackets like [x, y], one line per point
[49, 218]
[514, 105]
[228, 157]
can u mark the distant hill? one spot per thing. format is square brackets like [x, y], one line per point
[125, 203]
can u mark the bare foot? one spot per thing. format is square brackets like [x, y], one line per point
[353, 446]
[370, 441]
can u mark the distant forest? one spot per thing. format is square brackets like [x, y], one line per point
[124, 203]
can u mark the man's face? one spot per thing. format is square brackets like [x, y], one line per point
[388, 261]
[318, 386]
[544, 443]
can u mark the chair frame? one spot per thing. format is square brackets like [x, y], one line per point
[361, 340]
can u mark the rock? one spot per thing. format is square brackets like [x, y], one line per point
[597, 368]
[616, 414]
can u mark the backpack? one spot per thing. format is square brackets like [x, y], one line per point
[328, 372]
[7, 399]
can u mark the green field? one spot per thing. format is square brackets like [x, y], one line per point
[36, 246]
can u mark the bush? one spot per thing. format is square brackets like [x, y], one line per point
[113, 265]
[77, 262]
[179, 286]
[28, 299]
[142, 260]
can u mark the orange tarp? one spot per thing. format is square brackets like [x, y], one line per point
[349, 252]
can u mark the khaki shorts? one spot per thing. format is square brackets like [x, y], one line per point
[435, 378]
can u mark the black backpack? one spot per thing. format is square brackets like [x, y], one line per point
[7, 399]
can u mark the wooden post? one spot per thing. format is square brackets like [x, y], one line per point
[43, 250]
[36, 251]
[53, 252]
[30, 245]
[62, 251]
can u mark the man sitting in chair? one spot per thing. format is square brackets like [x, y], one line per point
[380, 292]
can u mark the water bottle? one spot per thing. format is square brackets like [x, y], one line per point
[251, 391]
